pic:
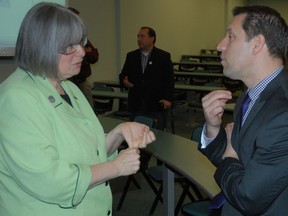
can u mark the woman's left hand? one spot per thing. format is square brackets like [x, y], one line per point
[137, 135]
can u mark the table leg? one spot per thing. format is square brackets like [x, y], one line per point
[168, 191]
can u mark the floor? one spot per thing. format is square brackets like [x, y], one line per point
[138, 201]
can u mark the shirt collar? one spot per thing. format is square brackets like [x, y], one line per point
[256, 91]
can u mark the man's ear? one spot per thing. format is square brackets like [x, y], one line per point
[258, 43]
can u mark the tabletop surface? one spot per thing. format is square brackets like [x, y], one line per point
[200, 55]
[123, 95]
[118, 94]
[203, 56]
[199, 74]
[198, 63]
[197, 87]
[112, 83]
[111, 94]
[179, 153]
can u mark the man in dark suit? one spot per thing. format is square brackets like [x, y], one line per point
[251, 154]
[148, 74]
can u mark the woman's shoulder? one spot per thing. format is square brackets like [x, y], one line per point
[17, 82]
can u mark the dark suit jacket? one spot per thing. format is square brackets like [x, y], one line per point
[257, 184]
[155, 84]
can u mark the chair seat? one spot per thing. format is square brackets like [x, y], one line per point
[197, 208]
[102, 104]
[156, 173]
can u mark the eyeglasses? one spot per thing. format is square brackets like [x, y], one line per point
[73, 47]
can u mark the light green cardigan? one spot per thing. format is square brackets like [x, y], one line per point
[46, 148]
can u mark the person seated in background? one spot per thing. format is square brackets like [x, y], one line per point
[55, 158]
[91, 57]
[148, 74]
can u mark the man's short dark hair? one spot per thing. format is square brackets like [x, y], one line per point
[263, 20]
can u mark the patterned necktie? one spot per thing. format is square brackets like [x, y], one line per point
[217, 201]
[245, 106]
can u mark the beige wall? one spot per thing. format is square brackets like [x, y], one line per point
[280, 5]
[182, 26]
[100, 18]
[230, 5]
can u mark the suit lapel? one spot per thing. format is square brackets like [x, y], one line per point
[252, 114]
[261, 101]
[138, 61]
[255, 114]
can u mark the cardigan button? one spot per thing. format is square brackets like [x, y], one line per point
[51, 99]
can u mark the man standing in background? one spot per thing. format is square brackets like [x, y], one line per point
[148, 74]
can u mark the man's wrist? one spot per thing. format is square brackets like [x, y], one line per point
[212, 131]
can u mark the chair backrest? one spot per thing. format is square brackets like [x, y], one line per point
[187, 67]
[150, 122]
[233, 85]
[196, 134]
[101, 87]
[209, 51]
[102, 104]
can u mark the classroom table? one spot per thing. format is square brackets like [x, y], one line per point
[198, 64]
[215, 67]
[180, 154]
[197, 88]
[202, 57]
[124, 94]
[208, 74]
[110, 94]
[109, 83]
[199, 74]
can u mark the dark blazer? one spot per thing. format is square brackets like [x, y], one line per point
[257, 184]
[155, 84]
